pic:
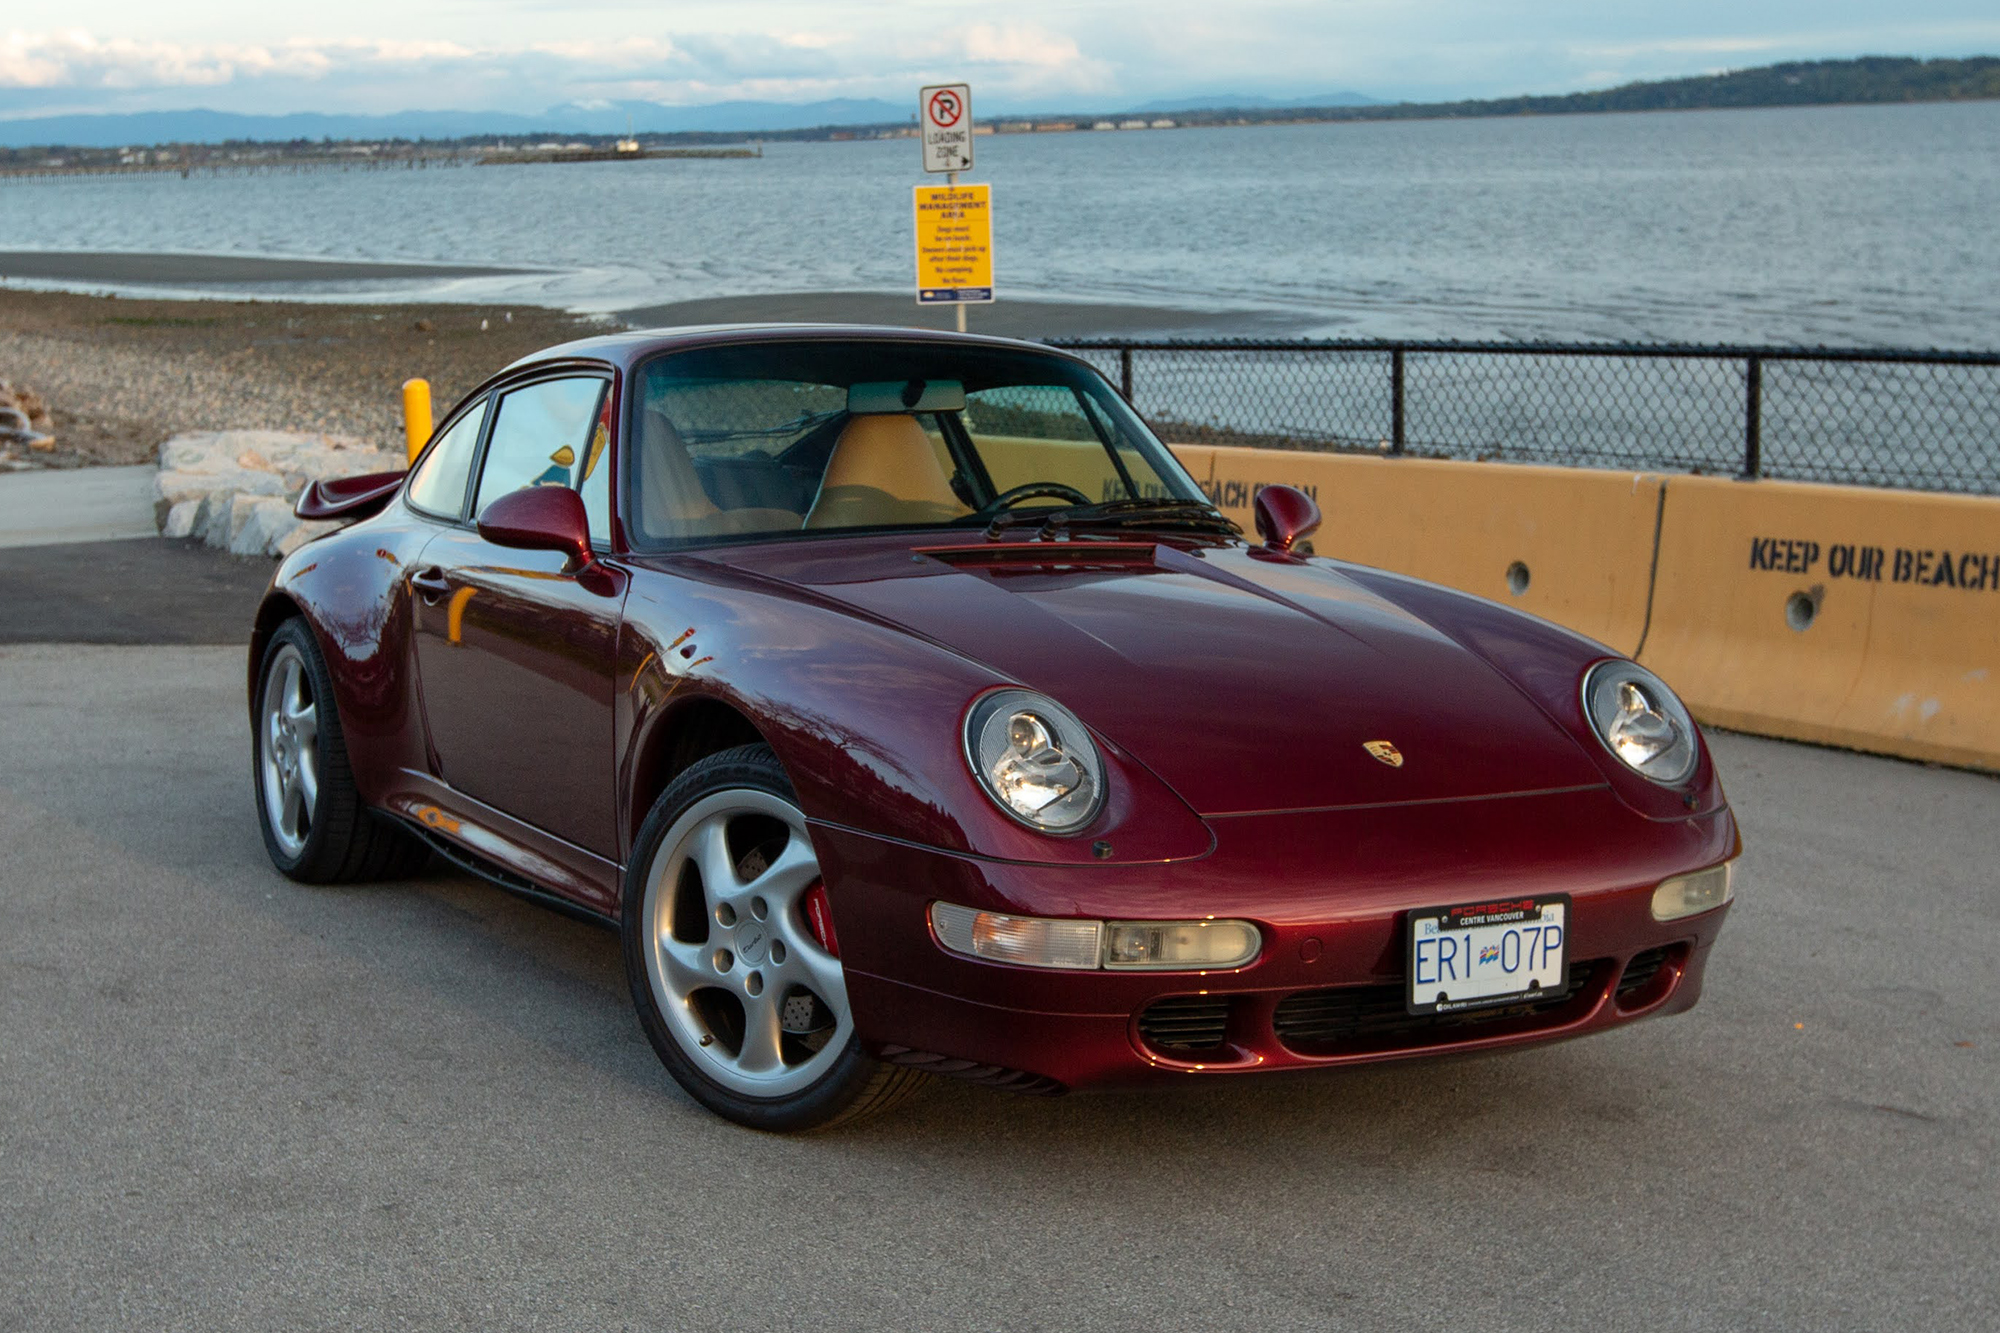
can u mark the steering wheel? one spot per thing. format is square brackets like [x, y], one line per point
[1007, 499]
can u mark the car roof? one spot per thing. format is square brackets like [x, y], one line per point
[627, 348]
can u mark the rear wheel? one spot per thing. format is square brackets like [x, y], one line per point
[315, 826]
[741, 996]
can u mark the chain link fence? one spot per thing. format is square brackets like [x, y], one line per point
[1915, 420]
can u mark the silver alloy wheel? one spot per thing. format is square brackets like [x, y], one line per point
[756, 955]
[288, 734]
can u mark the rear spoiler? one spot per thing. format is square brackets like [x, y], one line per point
[349, 497]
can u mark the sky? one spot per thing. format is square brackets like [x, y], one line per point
[378, 56]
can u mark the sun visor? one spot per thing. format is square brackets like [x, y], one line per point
[906, 396]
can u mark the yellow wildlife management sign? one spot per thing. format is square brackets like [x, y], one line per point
[954, 243]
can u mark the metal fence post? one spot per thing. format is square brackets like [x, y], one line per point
[1397, 437]
[1753, 417]
[1125, 373]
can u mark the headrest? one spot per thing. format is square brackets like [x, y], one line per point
[891, 454]
[671, 491]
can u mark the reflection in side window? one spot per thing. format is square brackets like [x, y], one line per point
[541, 436]
[439, 486]
[596, 483]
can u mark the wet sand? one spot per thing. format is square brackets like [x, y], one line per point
[112, 268]
[1009, 318]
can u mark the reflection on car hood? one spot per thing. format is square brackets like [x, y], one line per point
[1246, 684]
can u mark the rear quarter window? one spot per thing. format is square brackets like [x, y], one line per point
[439, 486]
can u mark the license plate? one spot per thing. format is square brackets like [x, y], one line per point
[1484, 954]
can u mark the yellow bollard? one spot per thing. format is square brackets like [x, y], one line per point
[416, 415]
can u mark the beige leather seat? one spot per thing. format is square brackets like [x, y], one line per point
[884, 471]
[672, 502]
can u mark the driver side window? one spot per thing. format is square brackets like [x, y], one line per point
[541, 437]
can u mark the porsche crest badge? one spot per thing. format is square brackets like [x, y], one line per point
[1385, 751]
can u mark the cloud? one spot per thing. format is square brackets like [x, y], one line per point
[75, 67]
[78, 59]
[1071, 55]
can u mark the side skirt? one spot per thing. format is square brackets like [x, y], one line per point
[472, 863]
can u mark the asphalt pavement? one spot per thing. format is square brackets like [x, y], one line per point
[146, 591]
[228, 1101]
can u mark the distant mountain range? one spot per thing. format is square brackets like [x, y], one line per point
[203, 126]
[1870, 79]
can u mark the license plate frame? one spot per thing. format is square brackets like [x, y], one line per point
[1472, 943]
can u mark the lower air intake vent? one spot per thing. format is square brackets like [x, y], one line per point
[1185, 1023]
[1639, 973]
[1321, 1021]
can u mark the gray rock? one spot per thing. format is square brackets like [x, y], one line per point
[179, 521]
[266, 522]
[302, 534]
[234, 489]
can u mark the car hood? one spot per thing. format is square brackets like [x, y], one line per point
[1246, 684]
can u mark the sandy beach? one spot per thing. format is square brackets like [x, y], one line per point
[123, 373]
[1011, 318]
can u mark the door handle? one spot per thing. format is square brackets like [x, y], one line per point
[431, 584]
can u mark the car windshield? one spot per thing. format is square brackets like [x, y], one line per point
[773, 438]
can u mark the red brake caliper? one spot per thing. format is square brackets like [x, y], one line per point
[819, 917]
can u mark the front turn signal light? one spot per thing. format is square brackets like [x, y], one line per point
[1180, 944]
[1081, 945]
[1688, 895]
[1030, 941]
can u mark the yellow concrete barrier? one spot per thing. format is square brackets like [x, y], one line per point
[1838, 614]
[1850, 616]
[417, 422]
[1570, 545]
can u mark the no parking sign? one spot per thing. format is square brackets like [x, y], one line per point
[945, 113]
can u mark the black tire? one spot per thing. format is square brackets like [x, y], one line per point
[853, 1084]
[344, 841]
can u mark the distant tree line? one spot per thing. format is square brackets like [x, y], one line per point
[1793, 83]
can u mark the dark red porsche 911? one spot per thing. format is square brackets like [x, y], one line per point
[905, 706]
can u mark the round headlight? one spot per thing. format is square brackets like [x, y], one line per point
[1639, 720]
[1035, 760]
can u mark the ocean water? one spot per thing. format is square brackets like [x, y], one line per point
[1841, 225]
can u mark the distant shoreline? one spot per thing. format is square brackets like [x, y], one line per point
[90, 140]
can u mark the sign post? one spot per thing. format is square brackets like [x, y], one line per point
[954, 224]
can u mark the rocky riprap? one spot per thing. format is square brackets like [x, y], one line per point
[235, 489]
[24, 424]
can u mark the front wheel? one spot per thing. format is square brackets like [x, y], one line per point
[741, 995]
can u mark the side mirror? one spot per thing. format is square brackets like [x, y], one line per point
[1285, 517]
[540, 518]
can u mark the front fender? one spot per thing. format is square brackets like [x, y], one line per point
[1546, 663]
[867, 720]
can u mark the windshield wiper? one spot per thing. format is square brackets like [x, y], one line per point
[1157, 515]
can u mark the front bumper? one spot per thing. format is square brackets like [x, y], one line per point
[1329, 890]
